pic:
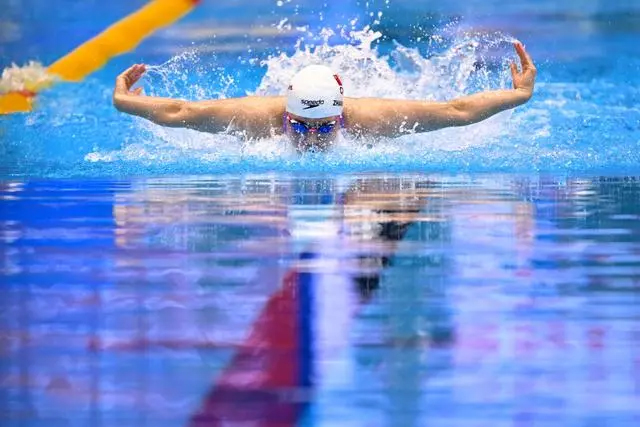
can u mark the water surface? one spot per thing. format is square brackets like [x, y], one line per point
[364, 300]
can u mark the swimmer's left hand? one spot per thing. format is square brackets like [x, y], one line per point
[523, 81]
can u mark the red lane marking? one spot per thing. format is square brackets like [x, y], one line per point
[24, 92]
[259, 383]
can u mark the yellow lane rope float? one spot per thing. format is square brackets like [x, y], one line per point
[19, 86]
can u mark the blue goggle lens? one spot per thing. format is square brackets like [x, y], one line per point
[303, 128]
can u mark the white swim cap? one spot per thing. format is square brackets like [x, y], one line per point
[315, 92]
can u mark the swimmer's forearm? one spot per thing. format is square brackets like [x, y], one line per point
[162, 111]
[481, 106]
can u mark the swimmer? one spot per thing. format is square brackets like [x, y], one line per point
[315, 110]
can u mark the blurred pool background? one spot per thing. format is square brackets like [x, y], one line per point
[486, 275]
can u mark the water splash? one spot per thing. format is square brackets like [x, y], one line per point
[32, 76]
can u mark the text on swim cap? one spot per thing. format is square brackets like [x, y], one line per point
[310, 103]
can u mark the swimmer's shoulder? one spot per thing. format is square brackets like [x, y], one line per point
[268, 104]
[265, 109]
[251, 104]
[249, 108]
[361, 114]
[364, 107]
[260, 115]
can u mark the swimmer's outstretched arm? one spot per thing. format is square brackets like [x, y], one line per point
[253, 114]
[386, 117]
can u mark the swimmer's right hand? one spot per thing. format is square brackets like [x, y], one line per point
[128, 78]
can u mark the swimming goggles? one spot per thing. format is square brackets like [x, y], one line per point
[303, 128]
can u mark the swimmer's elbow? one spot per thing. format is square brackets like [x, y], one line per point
[165, 112]
[191, 115]
[459, 114]
[173, 115]
[177, 114]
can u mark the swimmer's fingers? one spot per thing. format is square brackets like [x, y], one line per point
[525, 58]
[124, 76]
[121, 81]
[134, 73]
[130, 76]
[514, 73]
[138, 71]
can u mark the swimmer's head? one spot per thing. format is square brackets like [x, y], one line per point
[314, 107]
[315, 92]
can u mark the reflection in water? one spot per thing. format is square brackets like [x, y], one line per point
[399, 300]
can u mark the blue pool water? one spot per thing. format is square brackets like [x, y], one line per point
[582, 119]
[484, 276]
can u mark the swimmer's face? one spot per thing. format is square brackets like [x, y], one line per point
[312, 134]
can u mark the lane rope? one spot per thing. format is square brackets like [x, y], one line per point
[121, 37]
